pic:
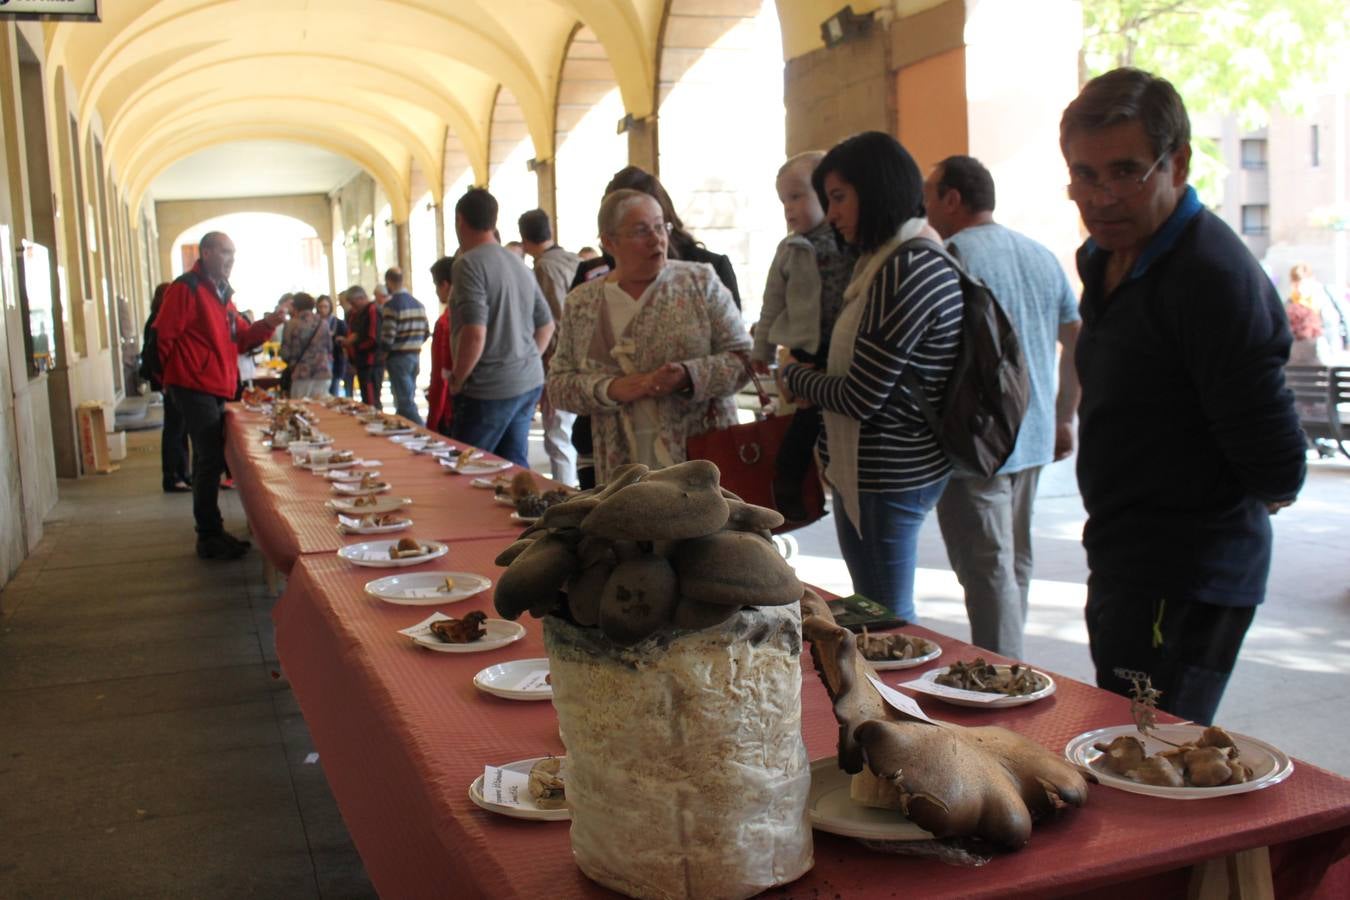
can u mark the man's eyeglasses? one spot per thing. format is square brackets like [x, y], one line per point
[1121, 187]
[643, 232]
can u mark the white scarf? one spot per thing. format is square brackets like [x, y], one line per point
[841, 431]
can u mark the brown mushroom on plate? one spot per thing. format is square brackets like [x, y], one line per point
[951, 781]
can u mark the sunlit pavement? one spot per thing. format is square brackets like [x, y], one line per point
[1292, 682]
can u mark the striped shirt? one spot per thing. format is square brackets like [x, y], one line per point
[403, 324]
[912, 319]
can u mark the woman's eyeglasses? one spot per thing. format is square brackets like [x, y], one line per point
[643, 232]
[1119, 187]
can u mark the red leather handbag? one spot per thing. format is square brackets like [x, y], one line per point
[746, 455]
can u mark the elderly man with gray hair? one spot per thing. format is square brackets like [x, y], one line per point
[363, 344]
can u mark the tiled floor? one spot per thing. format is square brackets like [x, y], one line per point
[149, 746]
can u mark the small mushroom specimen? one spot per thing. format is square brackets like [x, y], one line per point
[951, 781]
[680, 502]
[747, 517]
[734, 568]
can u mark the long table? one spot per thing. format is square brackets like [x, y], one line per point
[402, 732]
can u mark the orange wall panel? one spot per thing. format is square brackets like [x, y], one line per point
[930, 97]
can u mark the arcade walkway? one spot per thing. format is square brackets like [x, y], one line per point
[152, 749]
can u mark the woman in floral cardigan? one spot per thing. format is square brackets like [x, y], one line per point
[653, 352]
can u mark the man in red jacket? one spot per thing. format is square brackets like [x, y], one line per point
[200, 336]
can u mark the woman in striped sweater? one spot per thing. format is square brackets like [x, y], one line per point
[901, 310]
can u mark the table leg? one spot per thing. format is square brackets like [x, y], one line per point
[1244, 875]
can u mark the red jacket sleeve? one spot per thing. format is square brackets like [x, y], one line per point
[251, 337]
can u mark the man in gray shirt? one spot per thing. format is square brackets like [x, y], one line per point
[554, 269]
[986, 522]
[499, 328]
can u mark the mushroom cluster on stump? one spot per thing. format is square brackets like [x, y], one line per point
[649, 551]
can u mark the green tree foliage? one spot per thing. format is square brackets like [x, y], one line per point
[1239, 57]
[1224, 56]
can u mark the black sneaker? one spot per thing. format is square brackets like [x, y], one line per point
[238, 542]
[220, 546]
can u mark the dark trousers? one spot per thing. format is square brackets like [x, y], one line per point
[795, 456]
[1191, 663]
[584, 444]
[204, 417]
[173, 447]
[372, 383]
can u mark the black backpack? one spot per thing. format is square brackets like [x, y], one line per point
[987, 393]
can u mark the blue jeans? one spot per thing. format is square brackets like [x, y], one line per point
[881, 562]
[497, 426]
[402, 370]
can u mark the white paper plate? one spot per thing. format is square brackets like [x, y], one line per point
[1269, 765]
[388, 432]
[531, 811]
[346, 528]
[476, 468]
[381, 505]
[503, 500]
[350, 474]
[410, 440]
[436, 447]
[504, 679]
[375, 554]
[330, 466]
[500, 632]
[524, 520]
[889, 665]
[414, 588]
[354, 489]
[1000, 703]
[484, 483]
[831, 809]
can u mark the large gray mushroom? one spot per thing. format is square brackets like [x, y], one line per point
[680, 502]
[735, 568]
[533, 579]
[639, 598]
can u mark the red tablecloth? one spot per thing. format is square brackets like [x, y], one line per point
[402, 732]
[286, 506]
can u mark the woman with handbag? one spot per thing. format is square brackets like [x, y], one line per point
[902, 310]
[652, 351]
[307, 349]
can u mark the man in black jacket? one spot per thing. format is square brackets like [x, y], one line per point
[1189, 440]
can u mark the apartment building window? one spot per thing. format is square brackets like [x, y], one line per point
[1253, 153]
[1255, 218]
[1316, 147]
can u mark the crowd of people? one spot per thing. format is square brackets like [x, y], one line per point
[1166, 372]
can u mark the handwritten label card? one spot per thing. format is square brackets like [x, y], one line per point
[897, 700]
[506, 788]
[534, 681]
[423, 628]
[942, 690]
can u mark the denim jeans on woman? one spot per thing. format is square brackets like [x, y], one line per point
[881, 562]
[497, 426]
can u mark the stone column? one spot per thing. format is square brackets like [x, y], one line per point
[643, 150]
[547, 176]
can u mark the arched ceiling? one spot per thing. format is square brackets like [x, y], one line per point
[376, 81]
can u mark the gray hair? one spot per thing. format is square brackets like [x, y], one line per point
[356, 291]
[1129, 95]
[616, 205]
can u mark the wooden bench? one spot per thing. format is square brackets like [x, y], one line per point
[1322, 398]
